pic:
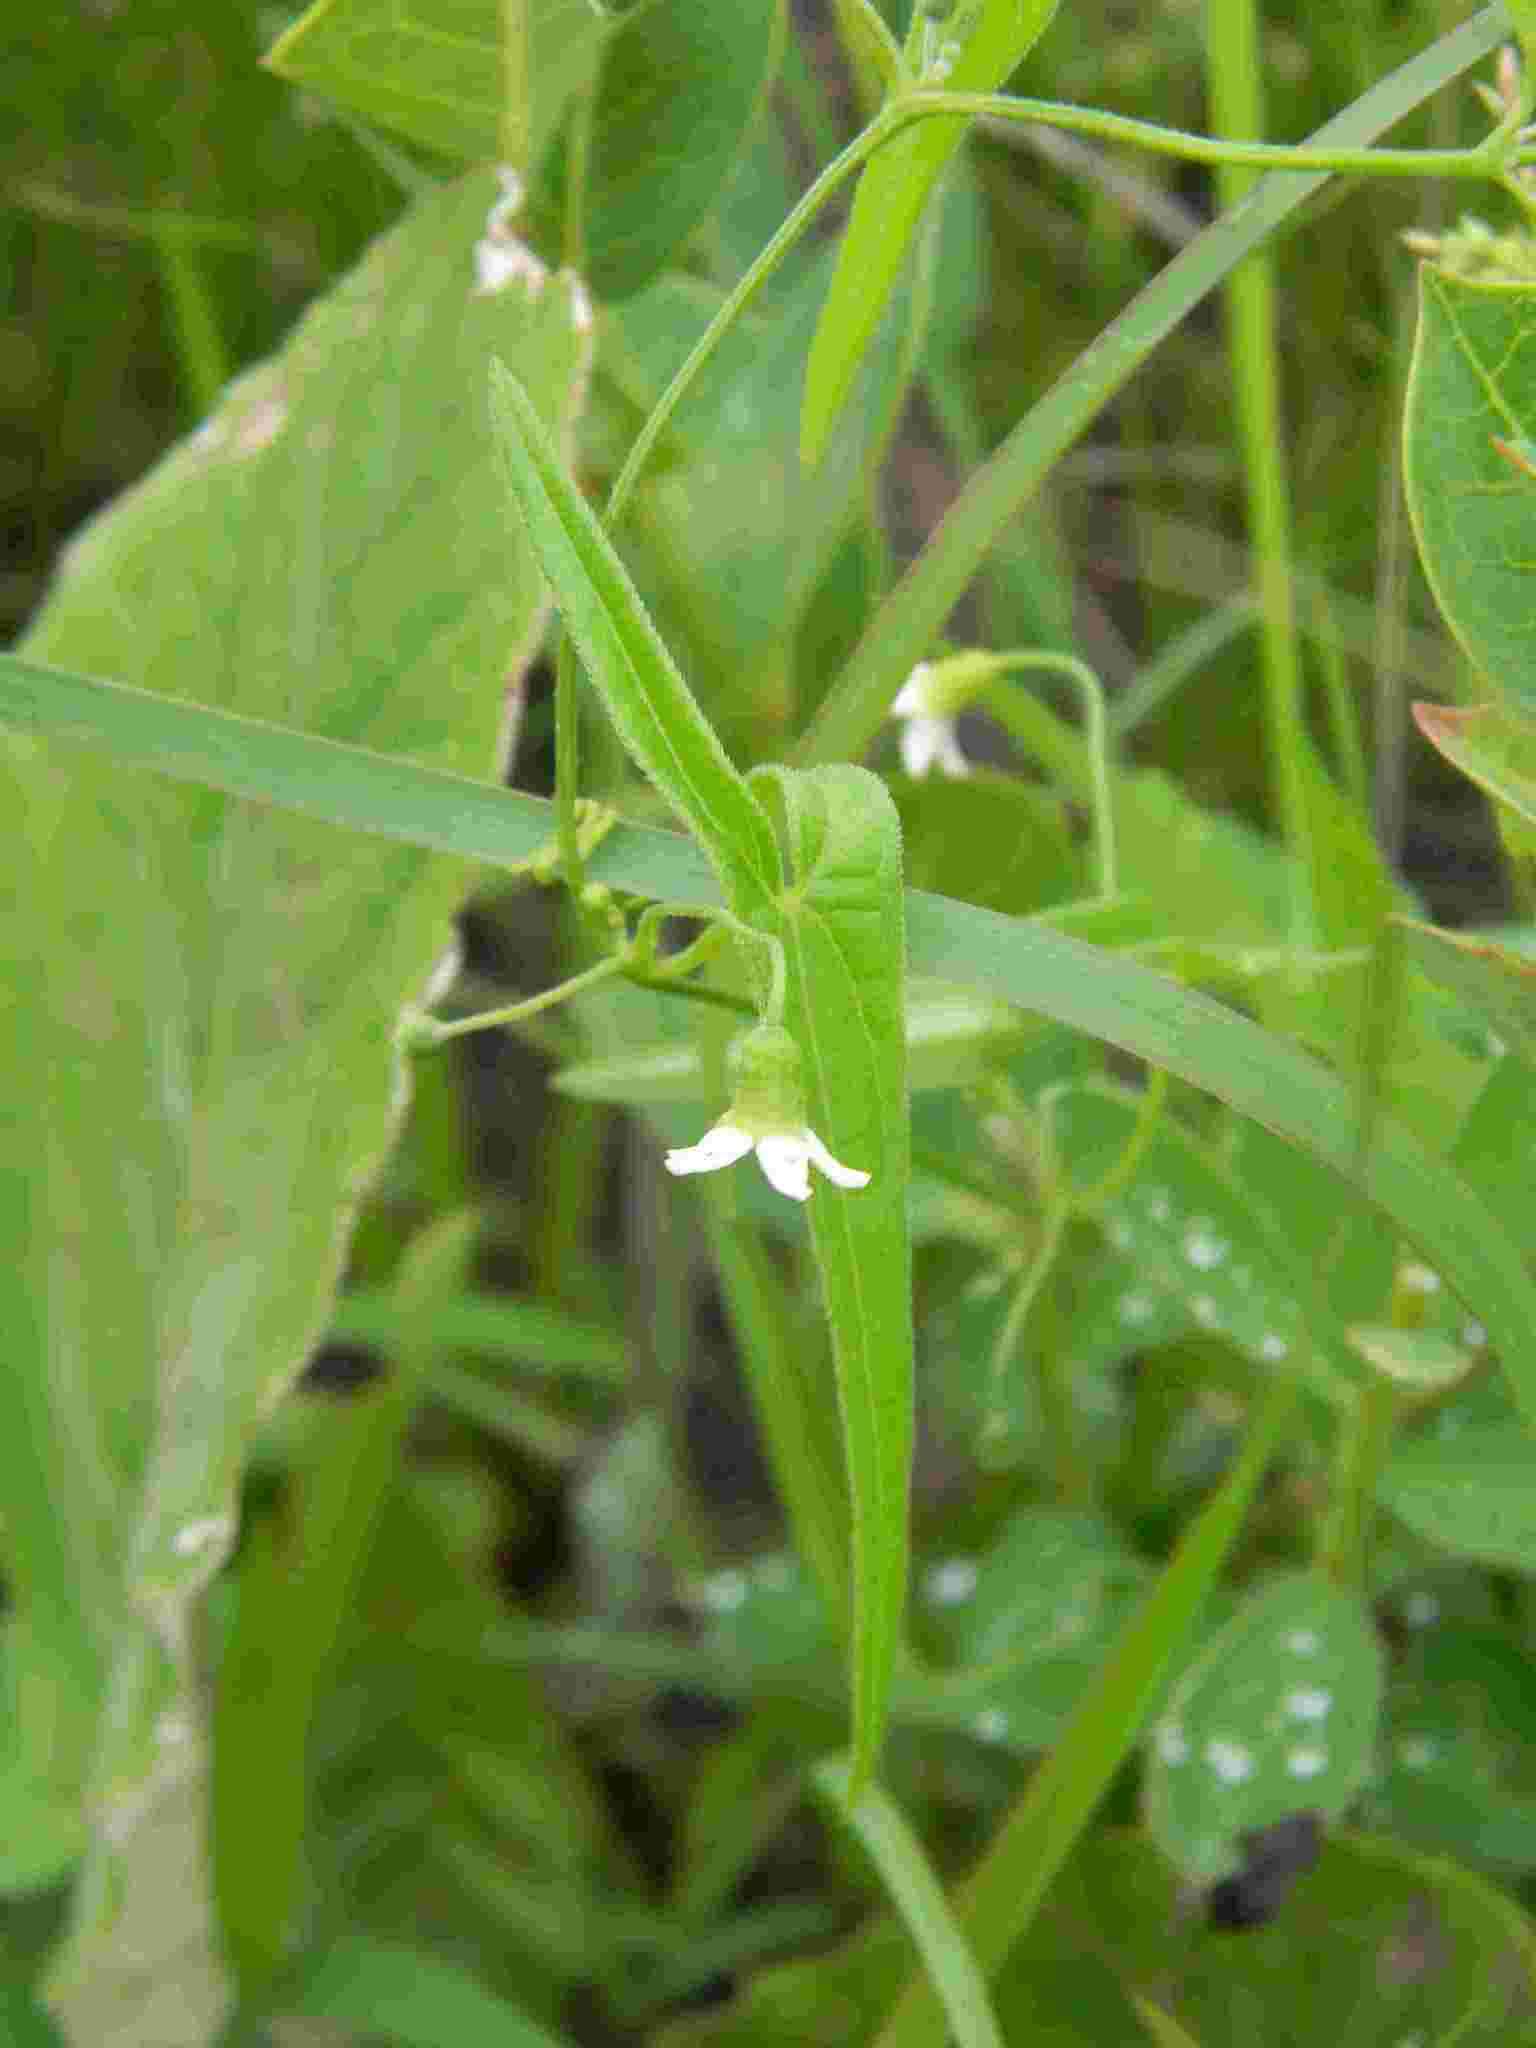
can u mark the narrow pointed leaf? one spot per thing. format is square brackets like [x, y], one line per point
[889, 204]
[918, 1894]
[648, 701]
[845, 956]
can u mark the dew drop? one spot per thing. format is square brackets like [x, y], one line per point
[724, 1592]
[1205, 1312]
[1231, 1762]
[1202, 1247]
[1306, 1763]
[1309, 1703]
[1302, 1642]
[1417, 1752]
[1421, 1610]
[1136, 1309]
[952, 1581]
[1273, 1347]
[1419, 1279]
[1159, 1207]
[192, 1537]
[991, 1724]
[1172, 1744]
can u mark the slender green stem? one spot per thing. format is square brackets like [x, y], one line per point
[1487, 160]
[1236, 94]
[568, 764]
[1363, 1446]
[435, 1032]
[1096, 724]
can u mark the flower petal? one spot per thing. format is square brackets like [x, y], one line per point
[785, 1160]
[845, 1176]
[721, 1146]
[921, 739]
[951, 759]
[911, 700]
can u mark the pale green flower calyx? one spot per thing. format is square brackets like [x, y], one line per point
[767, 1116]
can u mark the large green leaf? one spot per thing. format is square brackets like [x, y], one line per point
[1473, 1493]
[1493, 744]
[1472, 386]
[202, 1071]
[452, 74]
[1278, 1713]
[675, 97]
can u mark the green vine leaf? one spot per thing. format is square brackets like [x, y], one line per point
[1472, 387]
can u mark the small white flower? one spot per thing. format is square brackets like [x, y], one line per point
[928, 734]
[786, 1158]
[767, 1116]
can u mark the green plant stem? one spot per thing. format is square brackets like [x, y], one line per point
[1235, 86]
[1486, 160]
[568, 764]
[1002, 1897]
[435, 1032]
[1096, 725]
[1363, 1446]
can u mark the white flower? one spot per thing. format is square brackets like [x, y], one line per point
[786, 1158]
[928, 733]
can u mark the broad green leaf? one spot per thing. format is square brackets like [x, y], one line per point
[1494, 744]
[212, 992]
[1277, 1714]
[676, 93]
[845, 956]
[1423, 1360]
[439, 71]
[284, 1642]
[993, 38]
[1473, 1493]
[647, 699]
[919, 1896]
[1024, 1626]
[1473, 383]
[1041, 970]
[411, 1998]
[1192, 1248]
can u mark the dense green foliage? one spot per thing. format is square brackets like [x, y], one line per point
[1061, 1573]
